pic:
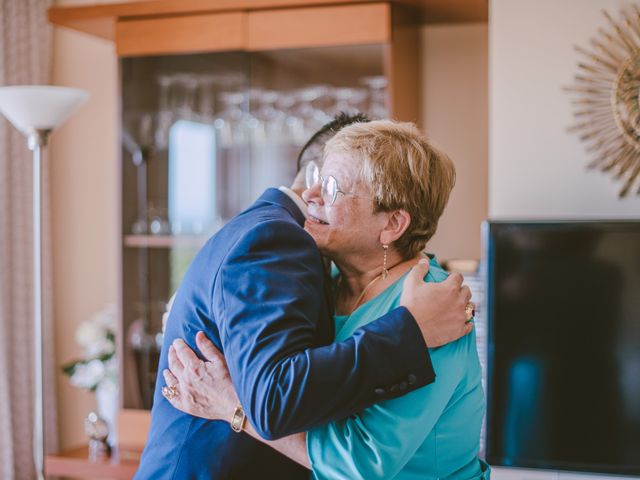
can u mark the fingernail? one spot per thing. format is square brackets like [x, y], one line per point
[423, 261]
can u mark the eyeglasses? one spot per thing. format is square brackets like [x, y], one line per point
[328, 185]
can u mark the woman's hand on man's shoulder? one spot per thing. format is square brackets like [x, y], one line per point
[438, 308]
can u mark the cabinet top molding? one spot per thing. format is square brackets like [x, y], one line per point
[99, 19]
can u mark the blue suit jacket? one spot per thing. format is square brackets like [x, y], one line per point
[257, 290]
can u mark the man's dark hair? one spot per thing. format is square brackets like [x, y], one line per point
[327, 131]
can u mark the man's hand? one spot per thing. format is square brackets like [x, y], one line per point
[439, 308]
[200, 388]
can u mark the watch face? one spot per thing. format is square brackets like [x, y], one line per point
[237, 421]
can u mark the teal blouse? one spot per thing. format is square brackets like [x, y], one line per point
[430, 433]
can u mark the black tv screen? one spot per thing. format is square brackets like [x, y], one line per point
[563, 310]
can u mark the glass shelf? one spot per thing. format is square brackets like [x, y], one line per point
[164, 241]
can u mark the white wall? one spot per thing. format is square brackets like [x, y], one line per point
[536, 168]
[84, 196]
[455, 116]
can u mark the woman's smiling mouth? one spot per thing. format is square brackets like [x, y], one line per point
[317, 220]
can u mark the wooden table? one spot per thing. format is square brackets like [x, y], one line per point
[75, 463]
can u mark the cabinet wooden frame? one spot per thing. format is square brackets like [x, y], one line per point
[323, 26]
[100, 19]
[181, 34]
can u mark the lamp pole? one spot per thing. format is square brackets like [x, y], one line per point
[37, 141]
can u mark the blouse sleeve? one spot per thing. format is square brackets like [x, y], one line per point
[379, 441]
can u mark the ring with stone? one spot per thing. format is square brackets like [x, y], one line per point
[470, 310]
[169, 392]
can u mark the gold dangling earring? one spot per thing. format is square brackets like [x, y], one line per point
[385, 272]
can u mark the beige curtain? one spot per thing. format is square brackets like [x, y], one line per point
[25, 54]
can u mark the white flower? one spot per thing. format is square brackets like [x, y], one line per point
[101, 346]
[88, 375]
[92, 334]
[88, 333]
[96, 337]
[106, 318]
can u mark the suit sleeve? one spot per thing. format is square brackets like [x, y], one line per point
[269, 304]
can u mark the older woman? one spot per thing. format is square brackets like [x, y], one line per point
[372, 208]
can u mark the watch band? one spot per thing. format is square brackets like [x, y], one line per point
[238, 419]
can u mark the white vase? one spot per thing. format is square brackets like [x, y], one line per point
[107, 403]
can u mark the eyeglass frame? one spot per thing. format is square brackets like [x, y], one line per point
[324, 182]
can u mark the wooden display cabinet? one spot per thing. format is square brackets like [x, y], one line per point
[253, 49]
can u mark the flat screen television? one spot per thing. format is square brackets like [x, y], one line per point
[563, 380]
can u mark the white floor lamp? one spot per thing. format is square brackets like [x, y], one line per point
[35, 111]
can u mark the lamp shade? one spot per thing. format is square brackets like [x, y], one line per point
[39, 107]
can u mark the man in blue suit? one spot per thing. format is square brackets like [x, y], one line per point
[257, 289]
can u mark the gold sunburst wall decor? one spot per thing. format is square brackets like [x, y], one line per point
[605, 99]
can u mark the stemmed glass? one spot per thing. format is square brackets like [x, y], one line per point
[206, 98]
[348, 100]
[165, 116]
[377, 86]
[294, 129]
[312, 117]
[234, 156]
[270, 120]
[231, 122]
[138, 141]
[185, 89]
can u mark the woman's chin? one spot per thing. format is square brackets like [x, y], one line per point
[316, 231]
[312, 226]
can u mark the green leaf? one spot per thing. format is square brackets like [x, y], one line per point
[70, 367]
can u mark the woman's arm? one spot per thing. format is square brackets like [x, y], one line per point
[294, 446]
[219, 403]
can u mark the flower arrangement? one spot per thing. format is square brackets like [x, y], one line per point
[96, 336]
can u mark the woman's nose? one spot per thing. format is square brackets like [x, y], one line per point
[313, 194]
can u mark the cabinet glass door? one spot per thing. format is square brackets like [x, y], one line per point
[202, 137]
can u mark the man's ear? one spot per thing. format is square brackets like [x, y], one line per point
[397, 223]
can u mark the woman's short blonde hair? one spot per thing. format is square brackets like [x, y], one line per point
[403, 171]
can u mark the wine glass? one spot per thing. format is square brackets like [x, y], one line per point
[348, 100]
[313, 118]
[377, 86]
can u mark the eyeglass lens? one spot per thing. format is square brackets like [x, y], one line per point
[312, 174]
[328, 187]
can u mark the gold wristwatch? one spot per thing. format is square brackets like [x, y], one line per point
[238, 419]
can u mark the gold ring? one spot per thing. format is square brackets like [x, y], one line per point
[169, 392]
[470, 310]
